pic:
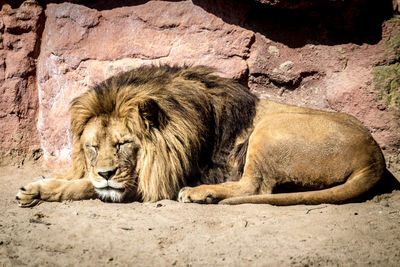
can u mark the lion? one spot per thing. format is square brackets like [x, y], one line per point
[185, 133]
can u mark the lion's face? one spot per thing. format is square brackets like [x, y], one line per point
[111, 152]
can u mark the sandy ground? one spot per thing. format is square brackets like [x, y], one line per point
[167, 233]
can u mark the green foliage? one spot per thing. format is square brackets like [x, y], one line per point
[395, 20]
[392, 50]
[387, 82]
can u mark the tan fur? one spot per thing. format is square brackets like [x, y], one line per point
[145, 134]
[331, 153]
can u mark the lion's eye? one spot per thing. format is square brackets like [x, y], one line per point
[121, 144]
[91, 147]
[91, 152]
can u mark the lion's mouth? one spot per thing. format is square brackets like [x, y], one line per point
[111, 188]
[108, 185]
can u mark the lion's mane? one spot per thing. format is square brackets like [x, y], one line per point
[186, 118]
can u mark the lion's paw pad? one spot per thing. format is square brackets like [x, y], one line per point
[196, 195]
[29, 195]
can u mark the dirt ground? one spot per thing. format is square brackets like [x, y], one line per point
[168, 233]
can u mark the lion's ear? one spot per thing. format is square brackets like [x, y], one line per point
[152, 114]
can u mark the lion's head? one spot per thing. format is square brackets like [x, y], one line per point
[143, 134]
[111, 155]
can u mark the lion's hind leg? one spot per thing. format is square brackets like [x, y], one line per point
[357, 184]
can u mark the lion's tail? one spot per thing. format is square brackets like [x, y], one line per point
[357, 184]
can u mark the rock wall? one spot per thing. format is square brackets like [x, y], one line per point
[319, 54]
[20, 30]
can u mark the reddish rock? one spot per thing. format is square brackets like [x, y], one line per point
[20, 30]
[275, 71]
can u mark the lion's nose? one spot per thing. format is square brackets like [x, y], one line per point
[107, 174]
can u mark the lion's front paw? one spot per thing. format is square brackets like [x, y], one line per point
[199, 194]
[29, 195]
